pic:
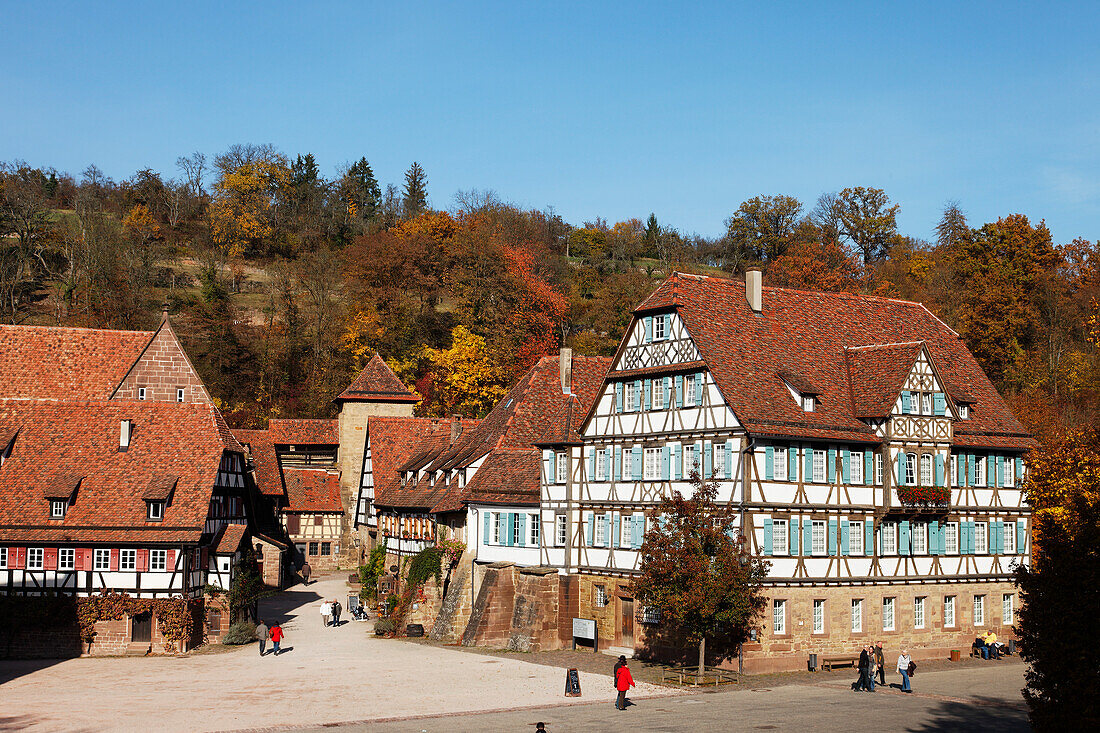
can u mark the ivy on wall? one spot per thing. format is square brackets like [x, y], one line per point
[176, 616]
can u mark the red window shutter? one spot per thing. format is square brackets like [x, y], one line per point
[171, 560]
[142, 560]
[114, 559]
[20, 558]
[89, 559]
[292, 523]
[50, 558]
[78, 559]
[204, 561]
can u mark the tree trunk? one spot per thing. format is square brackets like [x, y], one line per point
[702, 661]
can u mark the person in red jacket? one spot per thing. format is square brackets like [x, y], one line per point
[623, 682]
[276, 632]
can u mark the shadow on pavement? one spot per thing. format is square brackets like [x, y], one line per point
[277, 609]
[11, 669]
[982, 713]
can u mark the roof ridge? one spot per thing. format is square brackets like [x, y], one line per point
[29, 326]
[885, 345]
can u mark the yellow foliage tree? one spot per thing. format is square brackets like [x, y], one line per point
[141, 224]
[465, 379]
[1066, 468]
[242, 213]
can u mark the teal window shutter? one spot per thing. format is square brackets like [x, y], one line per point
[486, 535]
[708, 459]
[637, 522]
[1000, 537]
[521, 520]
[591, 464]
[769, 463]
[881, 541]
[832, 537]
[698, 388]
[618, 396]
[668, 325]
[677, 461]
[934, 537]
[679, 391]
[1000, 471]
[648, 396]
[665, 463]
[636, 462]
[1021, 536]
[807, 536]
[906, 402]
[869, 467]
[768, 536]
[939, 404]
[903, 539]
[792, 536]
[845, 464]
[830, 467]
[509, 528]
[615, 522]
[648, 329]
[729, 459]
[590, 529]
[939, 470]
[868, 537]
[1019, 470]
[637, 406]
[901, 469]
[808, 469]
[605, 520]
[844, 536]
[553, 477]
[972, 466]
[970, 538]
[618, 467]
[792, 463]
[666, 397]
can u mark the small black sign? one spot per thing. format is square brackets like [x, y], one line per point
[572, 683]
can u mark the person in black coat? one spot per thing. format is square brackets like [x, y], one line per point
[866, 682]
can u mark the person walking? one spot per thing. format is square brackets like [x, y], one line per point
[305, 571]
[880, 664]
[336, 609]
[866, 681]
[905, 668]
[326, 611]
[623, 682]
[263, 634]
[276, 637]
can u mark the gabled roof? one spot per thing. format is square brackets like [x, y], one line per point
[377, 383]
[59, 440]
[394, 443]
[50, 362]
[876, 373]
[266, 473]
[312, 490]
[230, 539]
[160, 487]
[808, 333]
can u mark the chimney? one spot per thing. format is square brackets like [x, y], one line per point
[566, 366]
[125, 430]
[753, 290]
[456, 427]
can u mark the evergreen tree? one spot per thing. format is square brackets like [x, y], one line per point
[363, 191]
[415, 201]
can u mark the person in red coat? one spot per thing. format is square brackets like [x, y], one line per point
[623, 682]
[276, 632]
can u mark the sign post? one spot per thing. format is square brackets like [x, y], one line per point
[584, 628]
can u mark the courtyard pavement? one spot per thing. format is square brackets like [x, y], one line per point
[325, 676]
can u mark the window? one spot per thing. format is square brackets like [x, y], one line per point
[979, 610]
[889, 538]
[599, 593]
[817, 537]
[855, 467]
[659, 394]
[951, 538]
[628, 463]
[601, 531]
[630, 397]
[1007, 617]
[910, 469]
[652, 464]
[878, 469]
[980, 472]
[141, 393]
[318, 520]
[102, 559]
[819, 616]
[855, 538]
[819, 467]
[127, 559]
[964, 412]
[158, 560]
[981, 539]
[809, 402]
[949, 611]
[625, 526]
[659, 328]
[3, 557]
[534, 530]
[602, 460]
[954, 470]
[562, 468]
[326, 549]
[719, 459]
[650, 615]
[887, 614]
[179, 394]
[691, 461]
[1010, 471]
[57, 509]
[779, 616]
[690, 398]
[779, 464]
[561, 530]
[857, 615]
[313, 548]
[919, 541]
[1008, 541]
[66, 558]
[926, 470]
[780, 539]
[35, 556]
[156, 511]
[926, 403]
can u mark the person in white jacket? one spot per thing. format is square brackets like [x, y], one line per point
[326, 611]
[903, 668]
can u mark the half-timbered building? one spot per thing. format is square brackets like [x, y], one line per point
[866, 454]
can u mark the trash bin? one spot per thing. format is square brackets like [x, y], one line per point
[813, 663]
[956, 655]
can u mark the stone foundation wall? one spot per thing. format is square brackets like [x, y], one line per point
[63, 643]
[515, 608]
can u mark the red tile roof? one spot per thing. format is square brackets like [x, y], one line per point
[57, 440]
[807, 333]
[312, 490]
[304, 432]
[377, 383]
[407, 443]
[876, 373]
[266, 473]
[48, 362]
[230, 539]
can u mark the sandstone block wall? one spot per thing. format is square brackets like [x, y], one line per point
[62, 643]
[161, 370]
[515, 608]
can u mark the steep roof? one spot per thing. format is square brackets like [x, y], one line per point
[808, 333]
[312, 490]
[304, 432]
[50, 362]
[266, 473]
[377, 383]
[876, 373]
[181, 443]
[394, 443]
[230, 539]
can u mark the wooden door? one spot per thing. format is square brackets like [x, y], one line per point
[627, 623]
[141, 628]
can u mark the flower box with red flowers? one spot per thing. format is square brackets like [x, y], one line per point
[924, 495]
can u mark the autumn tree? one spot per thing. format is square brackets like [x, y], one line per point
[464, 380]
[695, 569]
[415, 195]
[761, 228]
[863, 217]
[361, 194]
[1061, 589]
[811, 261]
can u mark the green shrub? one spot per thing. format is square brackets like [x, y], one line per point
[428, 563]
[242, 632]
[384, 626]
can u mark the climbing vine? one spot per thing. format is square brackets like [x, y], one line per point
[176, 616]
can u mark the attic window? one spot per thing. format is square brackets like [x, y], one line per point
[141, 393]
[155, 511]
[57, 508]
[5, 449]
[809, 402]
[125, 432]
[964, 411]
[179, 394]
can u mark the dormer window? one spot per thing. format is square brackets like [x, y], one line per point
[659, 333]
[57, 508]
[804, 392]
[809, 402]
[155, 511]
[125, 432]
[964, 411]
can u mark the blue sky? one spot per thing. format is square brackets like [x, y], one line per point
[611, 110]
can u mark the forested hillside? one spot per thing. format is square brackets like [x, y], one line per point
[283, 282]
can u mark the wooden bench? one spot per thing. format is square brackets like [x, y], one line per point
[828, 663]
